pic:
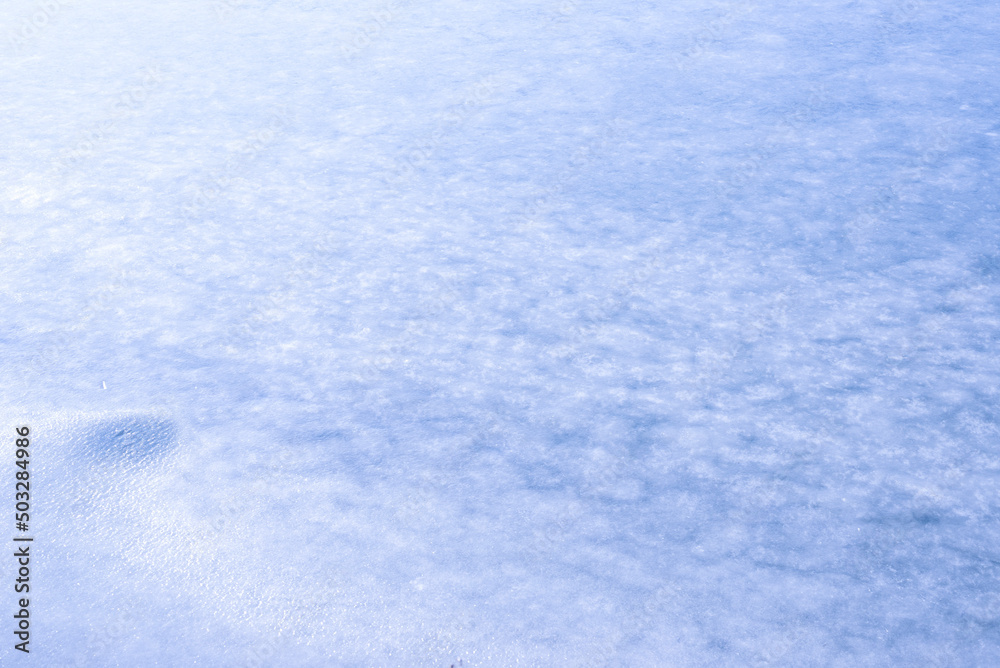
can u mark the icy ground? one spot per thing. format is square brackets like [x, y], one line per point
[580, 333]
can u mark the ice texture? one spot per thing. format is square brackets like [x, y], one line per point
[554, 333]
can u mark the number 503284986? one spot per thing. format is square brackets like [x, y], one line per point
[22, 475]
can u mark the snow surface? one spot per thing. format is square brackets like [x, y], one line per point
[579, 333]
